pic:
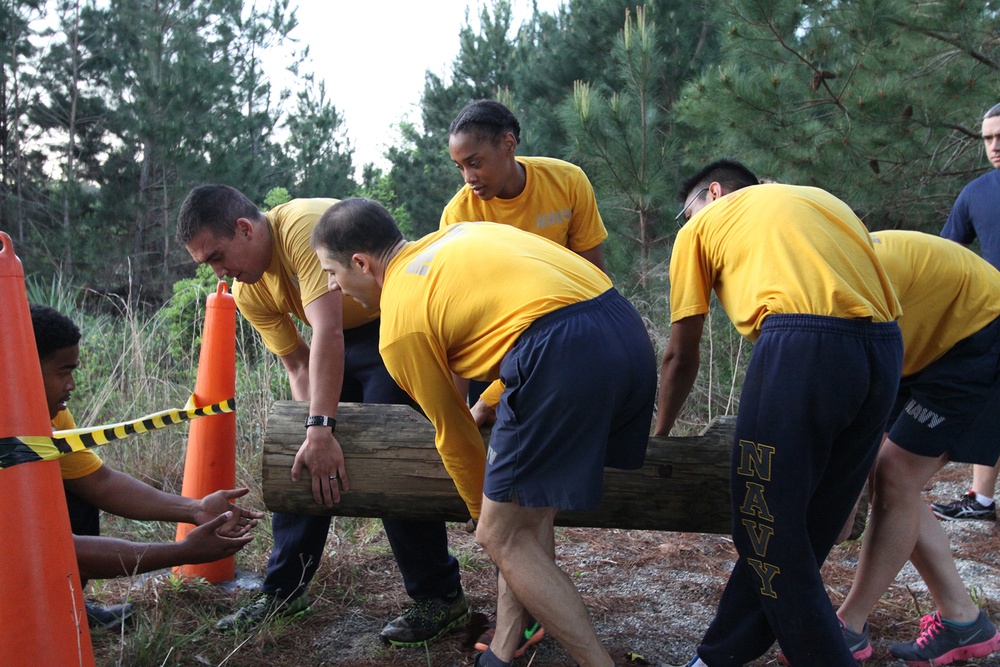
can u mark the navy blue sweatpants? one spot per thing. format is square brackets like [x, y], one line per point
[815, 401]
[420, 547]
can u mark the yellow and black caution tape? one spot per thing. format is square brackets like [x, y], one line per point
[25, 449]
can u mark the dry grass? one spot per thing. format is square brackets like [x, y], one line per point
[651, 594]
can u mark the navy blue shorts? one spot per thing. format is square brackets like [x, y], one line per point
[579, 389]
[953, 405]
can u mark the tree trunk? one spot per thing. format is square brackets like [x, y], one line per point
[396, 472]
[71, 180]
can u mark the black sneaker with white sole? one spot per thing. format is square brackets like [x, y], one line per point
[966, 507]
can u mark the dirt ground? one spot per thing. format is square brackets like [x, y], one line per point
[651, 596]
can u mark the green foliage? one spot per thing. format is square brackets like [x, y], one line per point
[276, 197]
[379, 186]
[112, 110]
[317, 148]
[624, 140]
[877, 101]
[423, 174]
[184, 314]
[55, 292]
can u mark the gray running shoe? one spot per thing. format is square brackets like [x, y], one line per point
[966, 507]
[941, 643]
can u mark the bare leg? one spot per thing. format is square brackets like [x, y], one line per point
[512, 617]
[984, 479]
[894, 530]
[510, 534]
[933, 560]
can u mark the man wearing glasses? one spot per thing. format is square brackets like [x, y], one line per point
[796, 272]
[976, 214]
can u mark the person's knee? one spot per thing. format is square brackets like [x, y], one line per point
[501, 538]
[489, 538]
[898, 475]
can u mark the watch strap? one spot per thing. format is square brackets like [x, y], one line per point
[321, 420]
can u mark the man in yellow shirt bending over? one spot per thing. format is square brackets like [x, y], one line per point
[481, 300]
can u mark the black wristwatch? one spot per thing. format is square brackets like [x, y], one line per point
[322, 420]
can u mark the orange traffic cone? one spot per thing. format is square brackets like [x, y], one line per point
[210, 464]
[42, 615]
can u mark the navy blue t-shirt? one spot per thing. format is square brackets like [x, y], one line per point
[976, 214]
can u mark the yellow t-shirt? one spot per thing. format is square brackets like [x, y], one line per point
[778, 249]
[434, 324]
[293, 279]
[948, 292]
[77, 464]
[557, 203]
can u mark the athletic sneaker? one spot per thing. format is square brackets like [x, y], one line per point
[533, 634]
[264, 608]
[966, 507]
[941, 643]
[107, 618]
[426, 620]
[857, 643]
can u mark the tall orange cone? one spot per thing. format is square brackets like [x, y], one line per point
[42, 616]
[210, 464]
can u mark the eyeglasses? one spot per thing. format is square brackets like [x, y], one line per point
[690, 201]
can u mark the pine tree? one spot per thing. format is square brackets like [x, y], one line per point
[624, 139]
[318, 149]
[878, 101]
[422, 170]
[16, 159]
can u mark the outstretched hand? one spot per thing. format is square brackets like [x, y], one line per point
[214, 504]
[214, 540]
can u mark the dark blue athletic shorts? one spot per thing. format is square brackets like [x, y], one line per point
[953, 405]
[579, 389]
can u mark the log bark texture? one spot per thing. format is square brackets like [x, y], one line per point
[396, 472]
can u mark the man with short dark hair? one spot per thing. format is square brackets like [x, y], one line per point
[795, 271]
[976, 214]
[277, 277]
[578, 373]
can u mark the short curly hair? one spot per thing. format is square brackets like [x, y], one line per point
[53, 330]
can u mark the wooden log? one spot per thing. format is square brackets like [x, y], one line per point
[396, 472]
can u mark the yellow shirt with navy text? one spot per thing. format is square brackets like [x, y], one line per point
[293, 279]
[948, 292]
[455, 302]
[557, 203]
[778, 249]
[77, 464]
